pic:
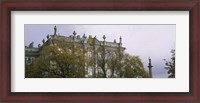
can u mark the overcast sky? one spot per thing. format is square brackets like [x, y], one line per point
[154, 41]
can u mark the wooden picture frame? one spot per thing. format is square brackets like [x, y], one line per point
[193, 96]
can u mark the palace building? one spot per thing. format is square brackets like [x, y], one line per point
[88, 45]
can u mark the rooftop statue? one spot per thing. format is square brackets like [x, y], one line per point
[55, 30]
[31, 45]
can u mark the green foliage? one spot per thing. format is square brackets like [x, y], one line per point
[170, 65]
[59, 59]
[133, 67]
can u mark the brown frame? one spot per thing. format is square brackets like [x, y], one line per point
[193, 96]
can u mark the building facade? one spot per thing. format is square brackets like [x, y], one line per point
[90, 46]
